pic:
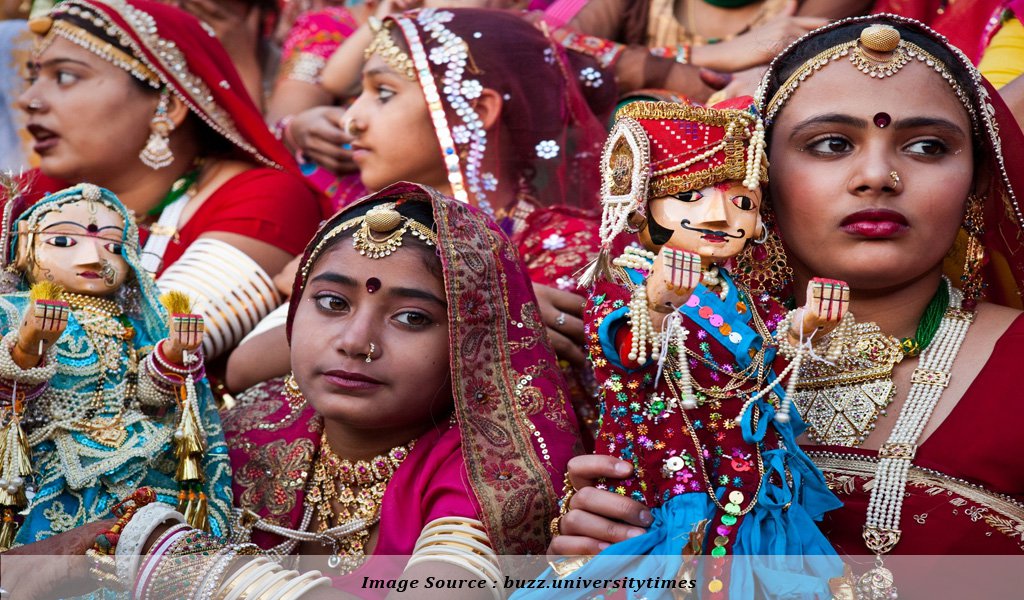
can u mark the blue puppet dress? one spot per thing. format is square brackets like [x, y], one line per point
[98, 428]
[757, 537]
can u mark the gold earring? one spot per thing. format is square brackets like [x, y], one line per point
[157, 152]
[973, 285]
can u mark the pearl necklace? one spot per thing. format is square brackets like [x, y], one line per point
[881, 529]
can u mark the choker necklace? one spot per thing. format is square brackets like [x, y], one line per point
[93, 304]
[842, 401]
[342, 491]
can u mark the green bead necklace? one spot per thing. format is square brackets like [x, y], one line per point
[928, 326]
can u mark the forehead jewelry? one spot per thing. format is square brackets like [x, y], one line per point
[879, 53]
[882, 120]
[372, 285]
[384, 46]
[369, 353]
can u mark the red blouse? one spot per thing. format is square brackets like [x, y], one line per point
[966, 486]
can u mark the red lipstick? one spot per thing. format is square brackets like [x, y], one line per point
[875, 223]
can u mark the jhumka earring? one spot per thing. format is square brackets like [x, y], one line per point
[974, 254]
[157, 153]
[762, 266]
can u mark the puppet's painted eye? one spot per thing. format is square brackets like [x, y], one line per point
[743, 202]
[691, 196]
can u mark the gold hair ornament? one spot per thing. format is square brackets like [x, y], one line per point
[384, 46]
[879, 52]
[49, 29]
[380, 233]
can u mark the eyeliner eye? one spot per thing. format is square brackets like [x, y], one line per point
[61, 241]
[830, 145]
[414, 319]
[743, 202]
[927, 148]
[330, 302]
[690, 196]
[113, 247]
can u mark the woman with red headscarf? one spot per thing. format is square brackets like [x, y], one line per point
[140, 98]
[483, 106]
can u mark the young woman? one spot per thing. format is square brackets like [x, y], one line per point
[220, 202]
[877, 186]
[512, 135]
[425, 408]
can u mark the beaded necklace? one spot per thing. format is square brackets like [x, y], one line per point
[343, 491]
[102, 320]
[930, 378]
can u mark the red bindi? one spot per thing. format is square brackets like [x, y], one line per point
[372, 285]
[882, 120]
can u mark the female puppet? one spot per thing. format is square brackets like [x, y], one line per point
[100, 389]
[689, 361]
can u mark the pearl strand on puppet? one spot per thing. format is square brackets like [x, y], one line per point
[755, 156]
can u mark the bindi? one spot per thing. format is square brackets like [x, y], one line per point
[372, 285]
[882, 120]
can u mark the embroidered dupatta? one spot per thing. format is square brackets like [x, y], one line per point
[508, 395]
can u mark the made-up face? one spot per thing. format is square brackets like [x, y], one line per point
[391, 310]
[714, 222]
[78, 247]
[876, 206]
[88, 117]
[393, 138]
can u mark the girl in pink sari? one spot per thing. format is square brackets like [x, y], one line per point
[425, 406]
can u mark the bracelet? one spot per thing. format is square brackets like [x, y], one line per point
[264, 588]
[168, 366]
[301, 591]
[39, 374]
[152, 561]
[293, 584]
[243, 577]
[135, 534]
[683, 54]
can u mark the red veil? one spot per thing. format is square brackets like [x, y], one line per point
[554, 137]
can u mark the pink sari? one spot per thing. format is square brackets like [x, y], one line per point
[512, 431]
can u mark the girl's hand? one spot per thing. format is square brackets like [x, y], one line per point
[562, 313]
[597, 518]
[318, 134]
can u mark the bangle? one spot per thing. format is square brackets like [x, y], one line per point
[166, 364]
[152, 562]
[135, 534]
[243, 577]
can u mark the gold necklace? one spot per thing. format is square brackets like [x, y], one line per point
[342, 491]
[93, 304]
[841, 402]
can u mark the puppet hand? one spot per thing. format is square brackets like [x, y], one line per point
[44, 322]
[676, 273]
[186, 335]
[828, 300]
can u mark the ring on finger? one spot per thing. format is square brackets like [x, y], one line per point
[560, 319]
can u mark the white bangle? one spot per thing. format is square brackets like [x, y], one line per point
[238, 589]
[136, 533]
[294, 584]
[153, 559]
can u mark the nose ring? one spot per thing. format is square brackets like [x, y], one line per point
[350, 128]
[895, 177]
[369, 355]
[35, 104]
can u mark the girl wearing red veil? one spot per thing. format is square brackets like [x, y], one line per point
[140, 98]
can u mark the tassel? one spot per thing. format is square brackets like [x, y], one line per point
[46, 290]
[176, 303]
[599, 269]
[8, 527]
[189, 446]
[15, 466]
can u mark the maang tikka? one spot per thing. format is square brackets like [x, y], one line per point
[157, 152]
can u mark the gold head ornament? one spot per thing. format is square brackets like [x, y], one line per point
[384, 46]
[380, 233]
[878, 52]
